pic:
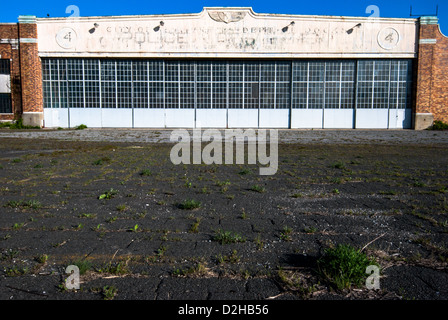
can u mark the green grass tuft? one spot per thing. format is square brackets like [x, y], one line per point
[227, 237]
[344, 266]
[189, 204]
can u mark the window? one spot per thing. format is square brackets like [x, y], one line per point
[275, 78]
[323, 84]
[219, 84]
[384, 84]
[5, 103]
[5, 66]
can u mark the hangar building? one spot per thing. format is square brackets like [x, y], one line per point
[224, 68]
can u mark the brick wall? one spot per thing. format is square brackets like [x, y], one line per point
[432, 78]
[19, 43]
[31, 67]
[9, 50]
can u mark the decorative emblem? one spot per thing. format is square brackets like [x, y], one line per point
[227, 16]
[66, 38]
[388, 38]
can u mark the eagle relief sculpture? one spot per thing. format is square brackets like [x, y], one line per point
[227, 16]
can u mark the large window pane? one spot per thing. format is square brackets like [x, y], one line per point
[5, 103]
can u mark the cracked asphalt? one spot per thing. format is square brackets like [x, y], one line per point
[385, 191]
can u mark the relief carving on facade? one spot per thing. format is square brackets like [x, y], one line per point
[227, 16]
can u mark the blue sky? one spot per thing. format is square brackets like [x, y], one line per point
[388, 8]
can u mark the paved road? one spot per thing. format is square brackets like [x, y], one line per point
[285, 136]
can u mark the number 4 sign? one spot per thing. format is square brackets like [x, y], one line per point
[66, 38]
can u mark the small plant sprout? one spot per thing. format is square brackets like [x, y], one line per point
[43, 258]
[285, 235]
[339, 165]
[227, 237]
[258, 189]
[195, 226]
[109, 292]
[189, 205]
[145, 172]
[108, 194]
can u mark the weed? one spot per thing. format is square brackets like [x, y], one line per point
[98, 228]
[198, 270]
[297, 195]
[189, 205]
[117, 268]
[205, 190]
[259, 242]
[310, 230]
[16, 271]
[243, 214]
[16, 160]
[122, 207]
[195, 226]
[419, 184]
[388, 193]
[108, 194]
[161, 252]
[245, 172]
[145, 172]
[233, 258]
[81, 127]
[9, 254]
[178, 272]
[17, 125]
[344, 266]
[223, 183]
[285, 235]
[13, 204]
[33, 204]
[295, 282]
[226, 237]
[439, 125]
[82, 265]
[43, 258]
[339, 165]
[101, 161]
[245, 274]
[109, 292]
[335, 191]
[18, 226]
[258, 189]
[337, 180]
[87, 215]
[111, 219]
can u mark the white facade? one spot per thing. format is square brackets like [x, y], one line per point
[229, 33]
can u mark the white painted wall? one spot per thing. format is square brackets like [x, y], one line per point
[226, 33]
